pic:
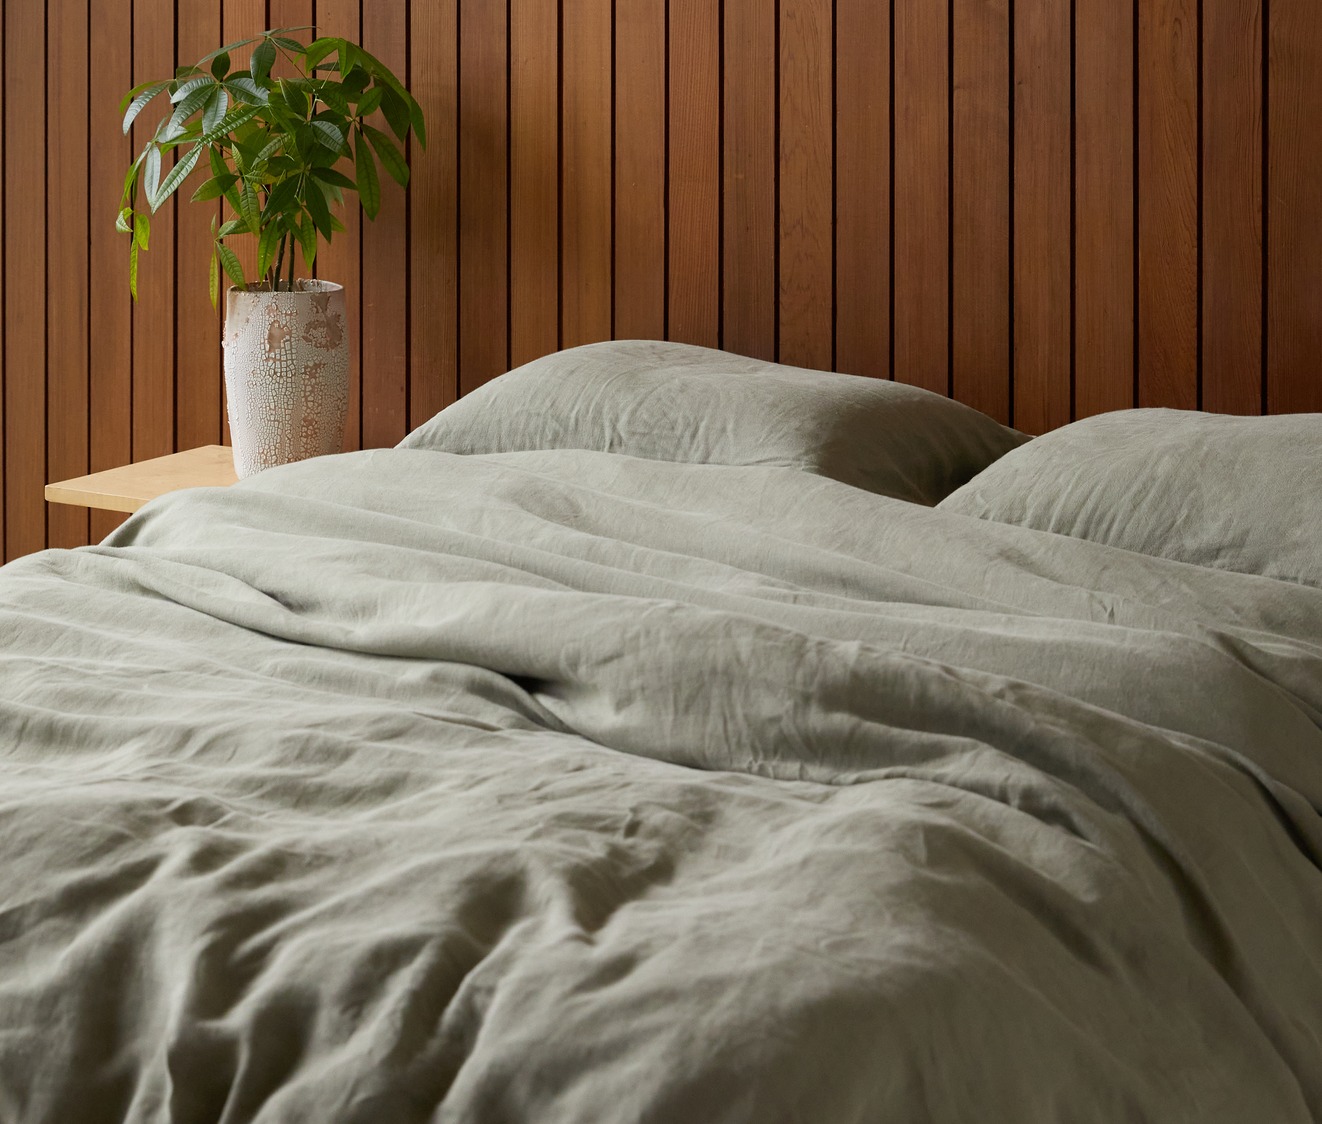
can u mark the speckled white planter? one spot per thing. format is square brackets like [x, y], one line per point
[286, 373]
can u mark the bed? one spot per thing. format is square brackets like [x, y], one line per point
[659, 736]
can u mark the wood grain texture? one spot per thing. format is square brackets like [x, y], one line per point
[25, 217]
[1295, 235]
[535, 178]
[198, 394]
[1042, 275]
[434, 288]
[585, 198]
[1232, 207]
[921, 263]
[862, 189]
[483, 232]
[640, 169]
[694, 298]
[341, 260]
[1168, 204]
[980, 206]
[1104, 207]
[110, 362]
[807, 184]
[67, 312]
[385, 268]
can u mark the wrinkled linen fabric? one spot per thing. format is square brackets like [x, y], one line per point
[564, 786]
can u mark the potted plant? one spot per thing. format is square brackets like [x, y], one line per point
[280, 152]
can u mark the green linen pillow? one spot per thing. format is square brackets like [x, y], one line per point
[1235, 493]
[675, 402]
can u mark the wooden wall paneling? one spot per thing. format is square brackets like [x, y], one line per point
[154, 314]
[1104, 279]
[198, 396]
[1294, 278]
[1042, 192]
[862, 189]
[585, 201]
[980, 206]
[1168, 204]
[807, 184]
[920, 341]
[110, 363]
[25, 218]
[66, 312]
[340, 261]
[535, 175]
[433, 292]
[640, 169]
[694, 299]
[385, 259]
[483, 151]
[1232, 207]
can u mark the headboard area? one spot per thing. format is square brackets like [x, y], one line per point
[1045, 208]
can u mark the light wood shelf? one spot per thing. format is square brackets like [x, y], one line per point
[130, 486]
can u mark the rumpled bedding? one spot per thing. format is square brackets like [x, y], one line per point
[563, 786]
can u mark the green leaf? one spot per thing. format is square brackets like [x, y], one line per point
[331, 176]
[235, 118]
[370, 102]
[123, 219]
[328, 135]
[395, 111]
[336, 226]
[191, 86]
[214, 113]
[391, 158]
[213, 281]
[151, 175]
[230, 260]
[294, 97]
[228, 48]
[315, 202]
[220, 68]
[247, 89]
[178, 174]
[140, 88]
[369, 185]
[318, 49]
[218, 165]
[249, 207]
[263, 58]
[416, 120]
[141, 231]
[307, 239]
[133, 269]
[234, 226]
[287, 43]
[328, 93]
[267, 245]
[214, 188]
[282, 197]
[140, 102]
[190, 105]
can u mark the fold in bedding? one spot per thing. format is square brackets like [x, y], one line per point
[564, 786]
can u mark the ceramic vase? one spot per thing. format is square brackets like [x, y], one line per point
[286, 373]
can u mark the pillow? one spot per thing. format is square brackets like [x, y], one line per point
[675, 402]
[1236, 493]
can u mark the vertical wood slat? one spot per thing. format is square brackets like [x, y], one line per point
[66, 313]
[110, 363]
[385, 249]
[922, 194]
[1168, 204]
[534, 180]
[25, 217]
[483, 125]
[340, 261]
[640, 169]
[585, 201]
[862, 189]
[1104, 207]
[980, 206]
[1232, 207]
[807, 337]
[154, 314]
[1295, 193]
[694, 299]
[198, 397]
[434, 285]
[1042, 186]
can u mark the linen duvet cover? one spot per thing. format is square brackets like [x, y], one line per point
[568, 786]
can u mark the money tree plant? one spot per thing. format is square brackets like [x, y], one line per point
[280, 151]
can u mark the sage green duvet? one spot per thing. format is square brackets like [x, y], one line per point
[570, 787]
